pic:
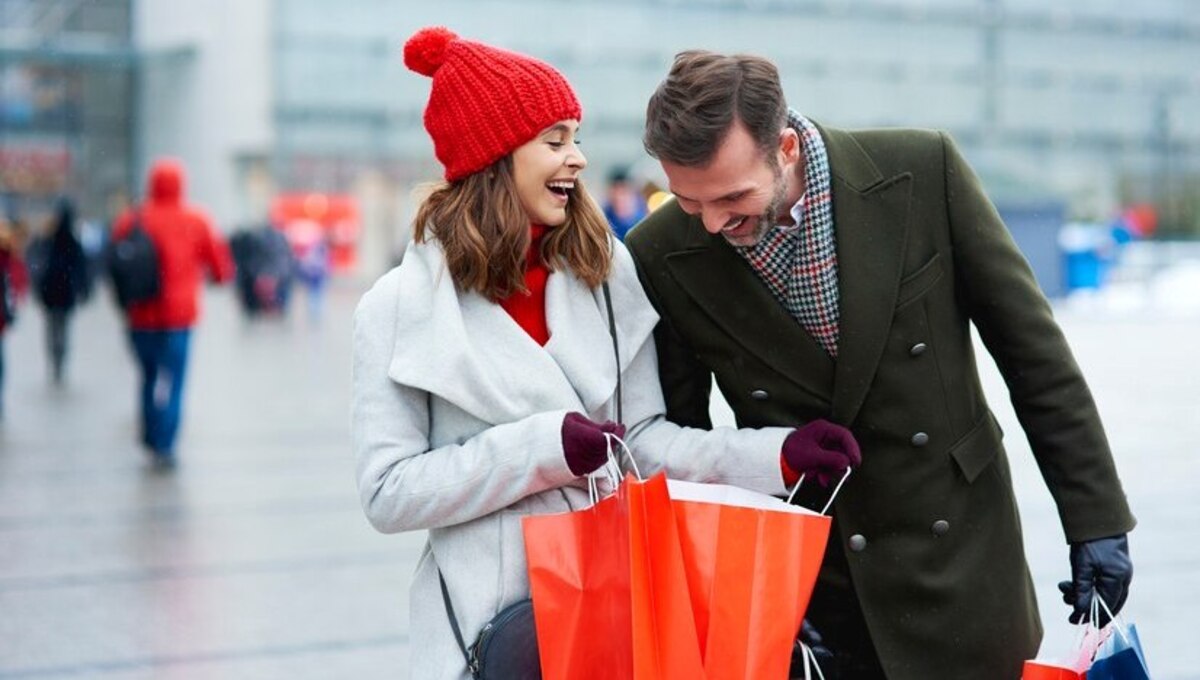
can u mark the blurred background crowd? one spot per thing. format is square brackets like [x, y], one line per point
[1083, 117]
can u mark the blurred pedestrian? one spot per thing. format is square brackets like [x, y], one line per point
[188, 247]
[265, 268]
[62, 283]
[624, 205]
[837, 273]
[14, 281]
[485, 377]
[310, 246]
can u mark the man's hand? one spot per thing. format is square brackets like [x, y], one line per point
[821, 448]
[824, 658]
[1098, 567]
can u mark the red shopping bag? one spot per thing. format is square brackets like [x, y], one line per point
[752, 562]
[610, 597]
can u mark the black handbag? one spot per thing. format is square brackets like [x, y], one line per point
[507, 646]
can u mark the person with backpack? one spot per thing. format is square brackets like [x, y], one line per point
[62, 283]
[187, 247]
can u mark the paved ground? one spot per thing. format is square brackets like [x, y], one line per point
[253, 560]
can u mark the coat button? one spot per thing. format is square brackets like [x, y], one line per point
[760, 395]
[940, 527]
[918, 349]
[858, 543]
[920, 439]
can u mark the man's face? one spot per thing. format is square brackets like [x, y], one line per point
[742, 192]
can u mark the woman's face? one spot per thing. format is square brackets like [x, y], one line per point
[545, 169]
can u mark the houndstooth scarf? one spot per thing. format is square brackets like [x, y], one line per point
[799, 263]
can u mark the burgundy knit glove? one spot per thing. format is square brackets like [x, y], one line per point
[821, 448]
[584, 444]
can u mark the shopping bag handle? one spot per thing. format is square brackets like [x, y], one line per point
[607, 471]
[810, 661]
[611, 468]
[832, 496]
[615, 457]
[1116, 623]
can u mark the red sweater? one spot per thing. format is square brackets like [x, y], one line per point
[529, 309]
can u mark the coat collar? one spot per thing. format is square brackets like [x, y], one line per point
[469, 351]
[870, 214]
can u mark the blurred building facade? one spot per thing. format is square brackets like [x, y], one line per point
[67, 88]
[1089, 103]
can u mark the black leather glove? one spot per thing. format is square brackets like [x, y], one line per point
[812, 639]
[1100, 566]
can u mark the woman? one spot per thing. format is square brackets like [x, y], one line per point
[62, 285]
[485, 378]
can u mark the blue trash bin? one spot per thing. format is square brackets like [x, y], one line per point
[1084, 246]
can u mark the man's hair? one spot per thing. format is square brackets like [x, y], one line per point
[484, 233]
[704, 94]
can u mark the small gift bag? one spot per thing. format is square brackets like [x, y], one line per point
[1121, 656]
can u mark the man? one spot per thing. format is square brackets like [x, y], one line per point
[160, 329]
[820, 273]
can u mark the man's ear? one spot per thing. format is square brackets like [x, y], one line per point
[789, 146]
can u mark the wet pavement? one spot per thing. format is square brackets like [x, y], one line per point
[252, 559]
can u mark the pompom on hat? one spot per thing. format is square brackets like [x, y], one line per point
[485, 102]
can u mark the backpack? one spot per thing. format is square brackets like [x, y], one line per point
[133, 267]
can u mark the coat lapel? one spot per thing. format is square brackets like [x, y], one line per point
[870, 213]
[728, 290]
[467, 350]
[471, 353]
[870, 217]
[580, 342]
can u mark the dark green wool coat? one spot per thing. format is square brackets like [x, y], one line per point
[937, 557]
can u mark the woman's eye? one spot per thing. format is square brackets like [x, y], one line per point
[555, 145]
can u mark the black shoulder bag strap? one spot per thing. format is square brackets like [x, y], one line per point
[612, 330]
[454, 624]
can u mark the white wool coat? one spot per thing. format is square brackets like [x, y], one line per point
[456, 421]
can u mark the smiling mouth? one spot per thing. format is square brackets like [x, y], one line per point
[562, 189]
[734, 225]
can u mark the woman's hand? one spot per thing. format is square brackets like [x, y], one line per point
[584, 443]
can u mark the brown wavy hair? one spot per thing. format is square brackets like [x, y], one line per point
[484, 233]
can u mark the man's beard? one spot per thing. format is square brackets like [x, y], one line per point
[770, 215]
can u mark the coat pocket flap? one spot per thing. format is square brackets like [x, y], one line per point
[975, 450]
[917, 283]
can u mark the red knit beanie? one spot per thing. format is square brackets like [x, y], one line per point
[485, 101]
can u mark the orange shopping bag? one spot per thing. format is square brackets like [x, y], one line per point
[752, 562]
[610, 598]
[1044, 670]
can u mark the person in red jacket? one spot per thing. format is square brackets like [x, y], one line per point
[14, 281]
[160, 329]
